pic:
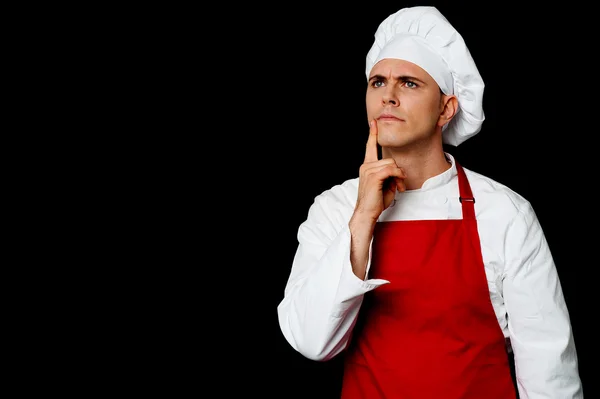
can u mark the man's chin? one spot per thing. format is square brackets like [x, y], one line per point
[388, 139]
[395, 145]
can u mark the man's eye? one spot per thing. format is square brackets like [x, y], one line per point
[377, 83]
[410, 85]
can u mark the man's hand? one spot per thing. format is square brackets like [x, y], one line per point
[378, 181]
[377, 184]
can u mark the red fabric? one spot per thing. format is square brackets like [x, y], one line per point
[432, 332]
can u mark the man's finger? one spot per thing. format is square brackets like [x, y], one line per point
[371, 151]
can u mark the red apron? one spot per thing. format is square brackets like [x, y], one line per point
[432, 332]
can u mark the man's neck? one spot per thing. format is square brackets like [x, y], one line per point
[419, 165]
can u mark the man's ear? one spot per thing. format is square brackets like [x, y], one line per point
[449, 109]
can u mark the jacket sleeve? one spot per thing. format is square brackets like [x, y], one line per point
[541, 336]
[323, 296]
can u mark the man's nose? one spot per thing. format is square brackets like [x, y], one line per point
[390, 97]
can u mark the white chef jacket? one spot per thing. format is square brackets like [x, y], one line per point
[323, 296]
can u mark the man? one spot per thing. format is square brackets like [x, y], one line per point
[423, 274]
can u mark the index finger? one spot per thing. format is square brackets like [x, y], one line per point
[371, 151]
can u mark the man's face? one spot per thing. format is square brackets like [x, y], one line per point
[405, 100]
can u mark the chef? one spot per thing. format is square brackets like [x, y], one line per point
[426, 276]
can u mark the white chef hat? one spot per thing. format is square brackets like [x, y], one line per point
[423, 36]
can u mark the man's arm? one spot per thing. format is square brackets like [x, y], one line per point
[323, 295]
[538, 319]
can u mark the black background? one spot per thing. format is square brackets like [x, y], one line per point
[215, 126]
[290, 88]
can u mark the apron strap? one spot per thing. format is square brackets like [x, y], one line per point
[465, 195]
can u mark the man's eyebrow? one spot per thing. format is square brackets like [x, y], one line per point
[402, 78]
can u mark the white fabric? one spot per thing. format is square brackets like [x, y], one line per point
[423, 36]
[323, 296]
[416, 50]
